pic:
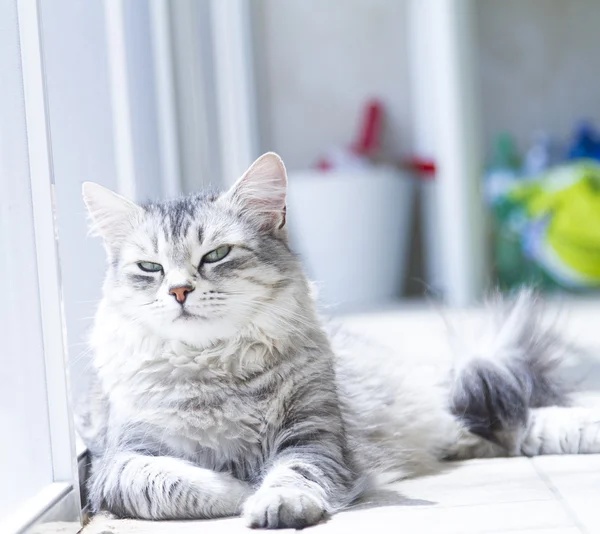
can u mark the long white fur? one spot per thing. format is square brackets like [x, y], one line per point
[174, 409]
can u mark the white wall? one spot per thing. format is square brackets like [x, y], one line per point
[318, 60]
[538, 65]
[197, 122]
[143, 99]
[317, 63]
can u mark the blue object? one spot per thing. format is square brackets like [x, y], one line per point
[586, 143]
[545, 152]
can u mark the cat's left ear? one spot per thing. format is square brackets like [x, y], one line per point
[261, 191]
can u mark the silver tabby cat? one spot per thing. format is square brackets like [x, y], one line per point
[219, 391]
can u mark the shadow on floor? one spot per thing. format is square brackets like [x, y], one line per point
[384, 497]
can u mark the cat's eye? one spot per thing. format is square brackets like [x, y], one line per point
[216, 255]
[150, 267]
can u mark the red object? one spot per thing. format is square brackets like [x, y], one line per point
[369, 134]
[424, 167]
[365, 146]
[323, 165]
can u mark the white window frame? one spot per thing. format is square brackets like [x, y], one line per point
[60, 500]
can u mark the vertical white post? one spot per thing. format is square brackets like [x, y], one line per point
[458, 150]
[200, 160]
[421, 76]
[232, 42]
[119, 85]
[164, 76]
[62, 437]
[421, 81]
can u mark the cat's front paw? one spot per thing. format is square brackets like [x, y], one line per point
[283, 508]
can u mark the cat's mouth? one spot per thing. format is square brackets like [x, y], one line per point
[187, 315]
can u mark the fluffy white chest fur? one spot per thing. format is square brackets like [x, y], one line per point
[211, 406]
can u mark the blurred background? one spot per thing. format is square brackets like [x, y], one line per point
[435, 148]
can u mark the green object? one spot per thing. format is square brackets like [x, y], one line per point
[571, 201]
[500, 179]
[506, 156]
[547, 230]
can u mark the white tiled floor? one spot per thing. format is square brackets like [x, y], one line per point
[545, 495]
[576, 482]
[551, 495]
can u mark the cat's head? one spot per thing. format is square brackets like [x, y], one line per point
[202, 267]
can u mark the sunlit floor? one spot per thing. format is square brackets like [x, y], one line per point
[550, 495]
[545, 495]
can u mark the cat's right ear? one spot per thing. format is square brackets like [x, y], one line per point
[113, 216]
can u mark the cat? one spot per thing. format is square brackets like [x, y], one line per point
[219, 390]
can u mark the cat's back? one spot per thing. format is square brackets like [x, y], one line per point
[394, 408]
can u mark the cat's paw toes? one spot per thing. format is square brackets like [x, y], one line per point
[283, 508]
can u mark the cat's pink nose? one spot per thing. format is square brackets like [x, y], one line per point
[180, 292]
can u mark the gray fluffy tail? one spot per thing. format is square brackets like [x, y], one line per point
[514, 367]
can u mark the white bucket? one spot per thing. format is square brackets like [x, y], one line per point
[352, 230]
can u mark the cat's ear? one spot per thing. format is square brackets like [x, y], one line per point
[113, 216]
[261, 191]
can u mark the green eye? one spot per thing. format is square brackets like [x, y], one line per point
[149, 267]
[216, 255]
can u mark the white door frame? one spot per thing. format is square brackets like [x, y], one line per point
[60, 500]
